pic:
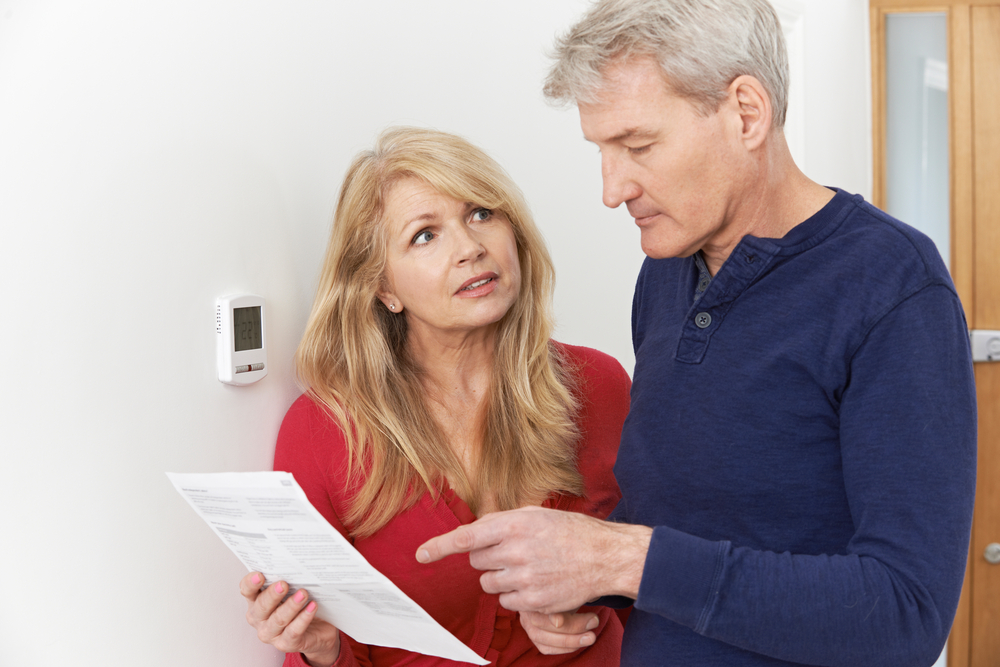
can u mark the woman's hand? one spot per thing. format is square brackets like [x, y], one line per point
[290, 626]
[553, 634]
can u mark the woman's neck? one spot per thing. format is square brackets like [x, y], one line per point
[456, 367]
[456, 375]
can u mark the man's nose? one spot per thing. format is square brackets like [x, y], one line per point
[619, 186]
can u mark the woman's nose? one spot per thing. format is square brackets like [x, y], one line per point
[467, 245]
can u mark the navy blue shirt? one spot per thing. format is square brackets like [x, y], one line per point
[802, 437]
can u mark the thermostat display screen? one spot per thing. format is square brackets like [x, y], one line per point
[246, 329]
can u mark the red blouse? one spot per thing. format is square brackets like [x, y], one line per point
[311, 447]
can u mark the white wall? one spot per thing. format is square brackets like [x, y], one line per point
[838, 142]
[155, 155]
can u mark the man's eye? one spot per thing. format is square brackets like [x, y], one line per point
[481, 214]
[639, 150]
[423, 237]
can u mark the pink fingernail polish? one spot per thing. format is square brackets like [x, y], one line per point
[311, 606]
[299, 596]
[279, 587]
[256, 579]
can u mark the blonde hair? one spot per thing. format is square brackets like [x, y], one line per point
[353, 356]
[701, 46]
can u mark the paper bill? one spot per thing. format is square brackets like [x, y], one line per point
[267, 521]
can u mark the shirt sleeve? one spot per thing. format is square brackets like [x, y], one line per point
[908, 448]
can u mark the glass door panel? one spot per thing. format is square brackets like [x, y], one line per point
[916, 77]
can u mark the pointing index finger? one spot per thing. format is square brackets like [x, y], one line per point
[479, 535]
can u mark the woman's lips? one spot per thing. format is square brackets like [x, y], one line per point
[481, 285]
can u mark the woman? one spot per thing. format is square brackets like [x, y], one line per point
[435, 396]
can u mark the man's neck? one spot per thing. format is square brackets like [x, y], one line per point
[775, 199]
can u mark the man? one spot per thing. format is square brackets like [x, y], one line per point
[798, 465]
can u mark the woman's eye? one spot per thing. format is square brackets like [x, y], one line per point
[481, 214]
[423, 237]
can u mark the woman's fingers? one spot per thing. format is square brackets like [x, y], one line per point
[288, 621]
[294, 633]
[560, 633]
[261, 609]
[273, 612]
[287, 626]
[250, 585]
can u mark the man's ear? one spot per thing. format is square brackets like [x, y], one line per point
[749, 96]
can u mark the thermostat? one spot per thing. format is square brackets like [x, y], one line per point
[242, 338]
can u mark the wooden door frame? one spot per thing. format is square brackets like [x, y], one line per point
[960, 167]
[961, 192]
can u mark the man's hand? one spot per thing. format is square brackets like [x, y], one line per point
[546, 560]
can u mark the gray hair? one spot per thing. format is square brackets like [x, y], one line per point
[701, 46]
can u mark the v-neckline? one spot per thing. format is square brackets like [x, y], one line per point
[464, 514]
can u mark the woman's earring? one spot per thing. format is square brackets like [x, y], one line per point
[392, 306]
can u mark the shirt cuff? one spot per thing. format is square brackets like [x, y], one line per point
[681, 577]
[613, 601]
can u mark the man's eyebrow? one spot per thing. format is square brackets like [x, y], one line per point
[630, 133]
[633, 133]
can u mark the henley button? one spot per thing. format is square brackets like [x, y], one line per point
[702, 284]
[702, 320]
